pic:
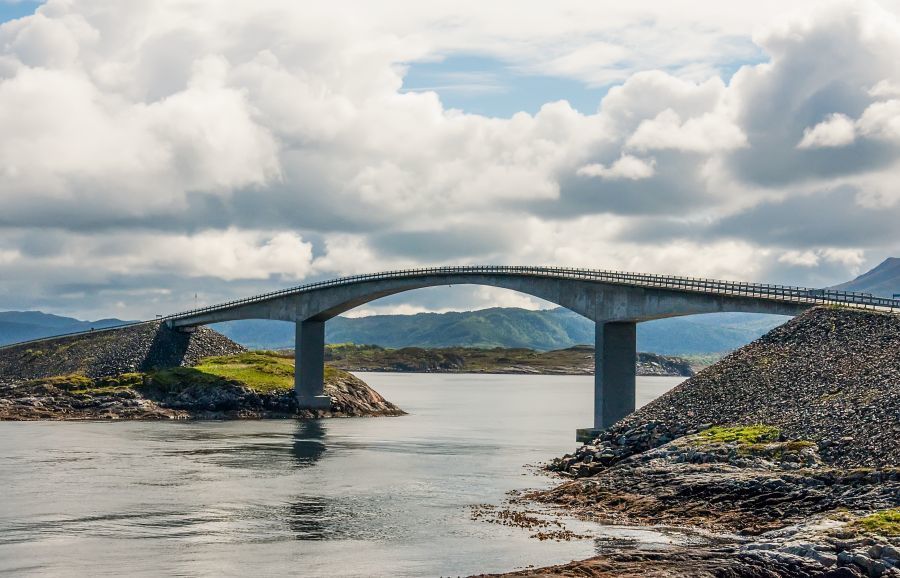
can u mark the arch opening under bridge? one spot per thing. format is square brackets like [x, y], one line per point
[615, 301]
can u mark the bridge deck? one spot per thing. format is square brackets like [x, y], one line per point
[770, 292]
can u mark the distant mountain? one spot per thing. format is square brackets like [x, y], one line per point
[882, 281]
[18, 326]
[512, 327]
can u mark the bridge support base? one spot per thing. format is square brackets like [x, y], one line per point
[309, 370]
[615, 355]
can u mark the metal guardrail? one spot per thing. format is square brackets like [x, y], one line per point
[785, 293]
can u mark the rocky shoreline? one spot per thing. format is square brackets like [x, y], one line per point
[785, 455]
[760, 506]
[149, 372]
[135, 397]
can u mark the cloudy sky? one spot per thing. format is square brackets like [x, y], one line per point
[157, 155]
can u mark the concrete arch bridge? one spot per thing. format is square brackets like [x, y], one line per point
[615, 301]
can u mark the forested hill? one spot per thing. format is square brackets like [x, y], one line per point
[497, 327]
[510, 327]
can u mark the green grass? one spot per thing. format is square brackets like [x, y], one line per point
[79, 384]
[743, 435]
[264, 371]
[70, 382]
[112, 384]
[884, 523]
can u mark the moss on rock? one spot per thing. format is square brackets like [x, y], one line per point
[883, 523]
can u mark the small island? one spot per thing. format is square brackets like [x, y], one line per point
[577, 360]
[151, 372]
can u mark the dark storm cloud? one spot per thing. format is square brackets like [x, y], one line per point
[456, 243]
[674, 188]
[831, 219]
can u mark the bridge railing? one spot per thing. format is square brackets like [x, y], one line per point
[789, 293]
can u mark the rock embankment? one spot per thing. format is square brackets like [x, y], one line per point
[790, 446]
[830, 376]
[107, 353]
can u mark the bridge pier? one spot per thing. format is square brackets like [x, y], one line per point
[309, 365]
[615, 357]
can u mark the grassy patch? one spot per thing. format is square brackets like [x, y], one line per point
[884, 523]
[263, 371]
[260, 370]
[111, 384]
[743, 435]
[69, 382]
[177, 379]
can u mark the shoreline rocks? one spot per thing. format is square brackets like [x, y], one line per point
[784, 448]
[133, 397]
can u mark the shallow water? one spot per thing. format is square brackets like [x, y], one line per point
[343, 497]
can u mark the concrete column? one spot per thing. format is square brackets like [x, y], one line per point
[309, 370]
[615, 355]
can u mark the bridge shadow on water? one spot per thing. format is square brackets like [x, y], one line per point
[309, 516]
[309, 443]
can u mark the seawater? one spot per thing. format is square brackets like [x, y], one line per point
[341, 497]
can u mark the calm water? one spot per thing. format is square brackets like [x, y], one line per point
[347, 497]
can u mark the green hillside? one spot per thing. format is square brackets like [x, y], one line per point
[513, 328]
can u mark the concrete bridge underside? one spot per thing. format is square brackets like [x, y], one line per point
[615, 308]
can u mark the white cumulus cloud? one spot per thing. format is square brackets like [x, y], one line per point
[836, 131]
[625, 167]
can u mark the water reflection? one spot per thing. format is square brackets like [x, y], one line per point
[310, 518]
[350, 498]
[309, 444]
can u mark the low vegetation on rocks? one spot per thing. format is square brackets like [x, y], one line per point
[884, 523]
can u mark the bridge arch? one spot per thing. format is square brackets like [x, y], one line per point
[616, 302]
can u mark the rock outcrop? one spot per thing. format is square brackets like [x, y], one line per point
[146, 372]
[184, 394]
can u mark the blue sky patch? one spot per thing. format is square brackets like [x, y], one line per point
[490, 87]
[12, 10]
